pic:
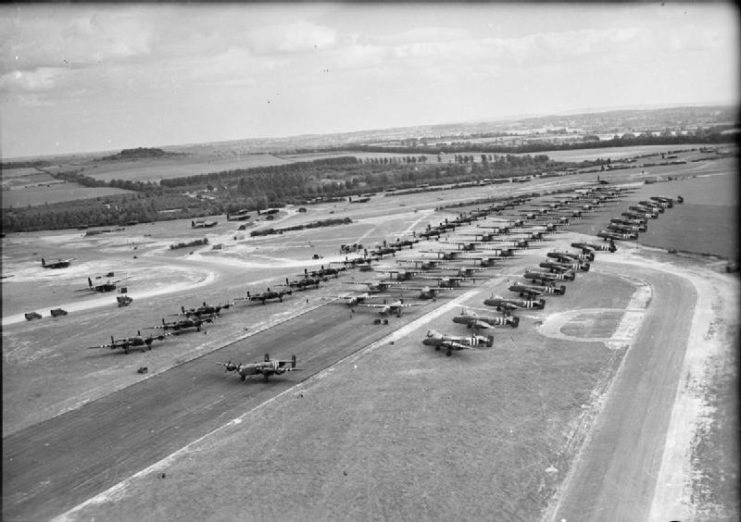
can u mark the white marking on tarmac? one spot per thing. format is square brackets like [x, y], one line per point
[626, 330]
[117, 491]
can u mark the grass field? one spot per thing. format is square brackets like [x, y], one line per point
[157, 169]
[55, 193]
[614, 152]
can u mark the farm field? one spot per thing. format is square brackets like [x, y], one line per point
[54, 192]
[376, 419]
[615, 152]
[155, 170]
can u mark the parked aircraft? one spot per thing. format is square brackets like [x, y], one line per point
[568, 257]
[239, 215]
[265, 368]
[185, 324]
[353, 300]
[131, 343]
[263, 297]
[449, 343]
[108, 286]
[622, 229]
[562, 266]
[535, 290]
[612, 235]
[304, 284]
[636, 225]
[644, 211]
[503, 304]
[59, 263]
[205, 309]
[476, 321]
[638, 219]
[537, 275]
[425, 292]
[394, 307]
[401, 243]
[422, 264]
[604, 248]
[324, 272]
[653, 205]
[203, 224]
[444, 281]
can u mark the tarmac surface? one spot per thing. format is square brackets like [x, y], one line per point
[615, 476]
[52, 466]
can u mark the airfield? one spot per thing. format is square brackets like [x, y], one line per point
[592, 409]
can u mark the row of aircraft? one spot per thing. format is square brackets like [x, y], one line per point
[635, 219]
[427, 276]
[195, 318]
[504, 239]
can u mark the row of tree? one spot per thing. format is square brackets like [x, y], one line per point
[257, 189]
[716, 134]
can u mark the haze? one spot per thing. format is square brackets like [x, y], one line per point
[103, 77]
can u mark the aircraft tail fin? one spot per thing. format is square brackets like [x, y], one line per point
[43, 262]
[89, 282]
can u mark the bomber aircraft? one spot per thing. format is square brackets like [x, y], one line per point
[205, 309]
[203, 224]
[535, 290]
[375, 287]
[324, 272]
[304, 284]
[131, 343]
[179, 325]
[539, 275]
[473, 320]
[593, 246]
[108, 286]
[568, 257]
[449, 343]
[623, 229]
[562, 266]
[353, 300]
[59, 263]
[265, 368]
[394, 307]
[502, 304]
[608, 234]
[265, 296]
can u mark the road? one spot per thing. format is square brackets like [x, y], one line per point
[53, 466]
[615, 476]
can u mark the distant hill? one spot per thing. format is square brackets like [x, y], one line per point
[142, 153]
[608, 122]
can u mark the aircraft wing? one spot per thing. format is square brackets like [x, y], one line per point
[102, 346]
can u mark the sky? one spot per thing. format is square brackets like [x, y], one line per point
[84, 78]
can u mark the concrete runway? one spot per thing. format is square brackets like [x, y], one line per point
[53, 466]
[615, 476]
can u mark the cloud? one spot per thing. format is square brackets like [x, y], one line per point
[298, 37]
[72, 36]
[37, 80]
